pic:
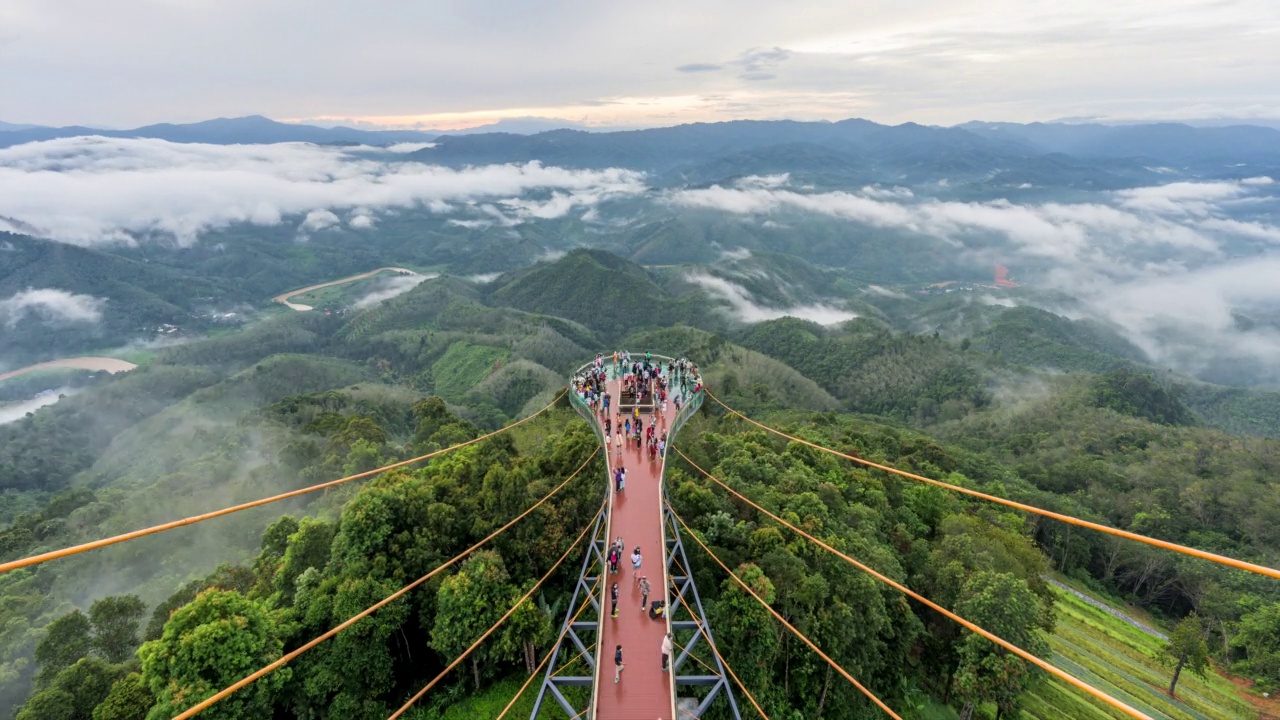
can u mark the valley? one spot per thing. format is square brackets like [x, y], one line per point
[795, 266]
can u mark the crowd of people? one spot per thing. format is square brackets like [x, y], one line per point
[635, 421]
[645, 384]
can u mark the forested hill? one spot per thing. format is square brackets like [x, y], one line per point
[144, 629]
[858, 150]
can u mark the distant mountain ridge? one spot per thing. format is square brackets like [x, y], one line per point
[224, 131]
[853, 150]
[858, 150]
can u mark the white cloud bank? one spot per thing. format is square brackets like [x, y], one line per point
[51, 305]
[1154, 261]
[744, 308]
[12, 412]
[89, 190]
[1178, 217]
[392, 286]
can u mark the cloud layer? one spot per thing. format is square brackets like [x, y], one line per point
[744, 308]
[51, 305]
[1169, 264]
[1181, 218]
[89, 190]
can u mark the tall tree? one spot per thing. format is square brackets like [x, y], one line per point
[1006, 606]
[115, 622]
[216, 640]
[468, 603]
[528, 627]
[65, 641]
[1186, 648]
[758, 636]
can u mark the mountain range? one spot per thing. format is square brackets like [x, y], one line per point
[848, 150]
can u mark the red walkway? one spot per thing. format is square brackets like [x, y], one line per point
[636, 515]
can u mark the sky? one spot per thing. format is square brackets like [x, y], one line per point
[443, 64]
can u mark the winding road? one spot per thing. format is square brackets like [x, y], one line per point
[284, 298]
[111, 365]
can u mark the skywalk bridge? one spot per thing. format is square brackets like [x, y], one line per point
[583, 658]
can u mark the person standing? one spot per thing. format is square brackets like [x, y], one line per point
[618, 667]
[644, 593]
[613, 598]
[666, 652]
[635, 564]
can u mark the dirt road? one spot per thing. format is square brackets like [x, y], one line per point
[284, 299]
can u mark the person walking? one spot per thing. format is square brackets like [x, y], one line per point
[644, 593]
[618, 667]
[613, 598]
[666, 652]
[635, 565]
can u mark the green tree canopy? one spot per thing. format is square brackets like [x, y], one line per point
[74, 692]
[1005, 605]
[115, 622]
[65, 641]
[129, 699]
[1259, 636]
[214, 641]
[467, 603]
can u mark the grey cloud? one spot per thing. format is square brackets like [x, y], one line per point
[699, 67]
[757, 59]
[91, 190]
[758, 63]
[51, 305]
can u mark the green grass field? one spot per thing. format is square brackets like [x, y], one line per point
[1121, 660]
[336, 296]
[462, 366]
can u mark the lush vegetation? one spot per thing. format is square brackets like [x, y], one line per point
[300, 398]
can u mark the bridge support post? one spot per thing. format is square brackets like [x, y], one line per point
[689, 620]
[571, 645]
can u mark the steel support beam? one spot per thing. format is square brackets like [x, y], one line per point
[685, 602]
[570, 646]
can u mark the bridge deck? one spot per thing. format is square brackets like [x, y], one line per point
[645, 692]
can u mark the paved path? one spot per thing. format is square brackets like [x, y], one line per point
[645, 691]
[111, 365]
[283, 299]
